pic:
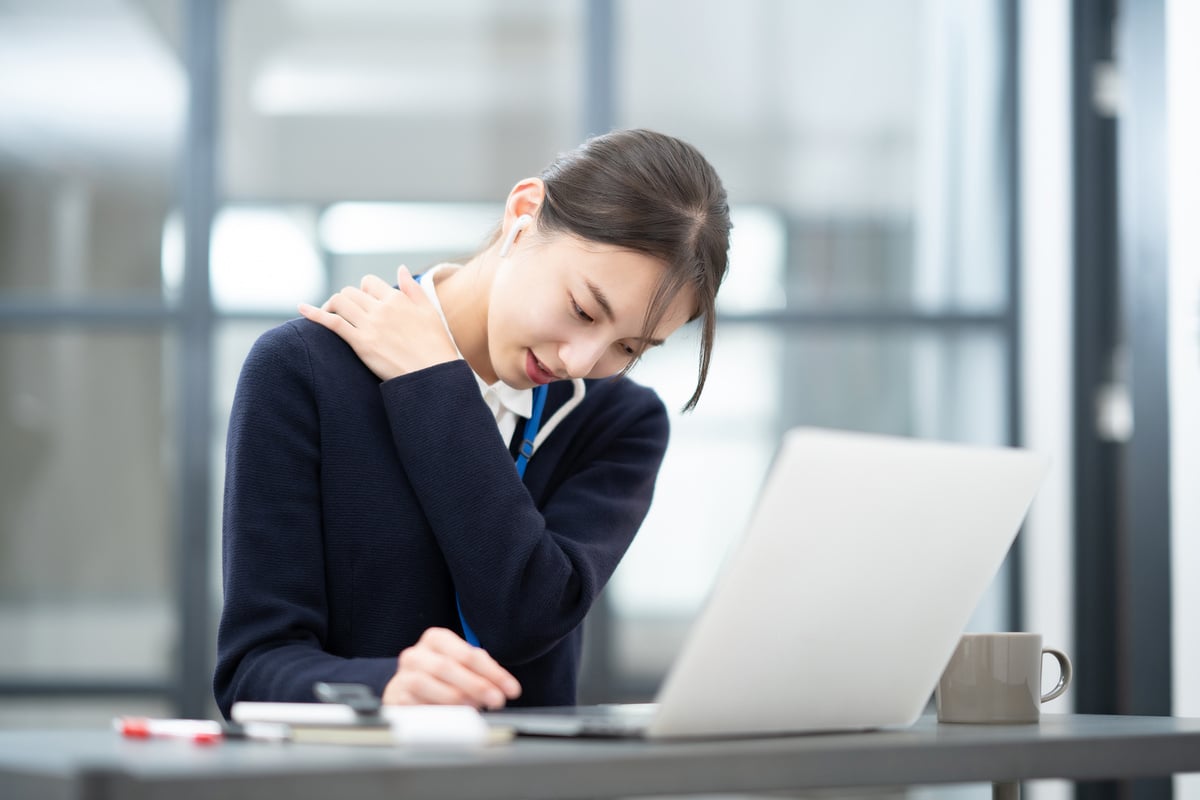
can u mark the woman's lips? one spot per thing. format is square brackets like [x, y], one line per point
[536, 372]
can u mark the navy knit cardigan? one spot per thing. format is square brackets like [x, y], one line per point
[354, 509]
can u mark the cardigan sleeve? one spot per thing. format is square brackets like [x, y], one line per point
[526, 576]
[274, 620]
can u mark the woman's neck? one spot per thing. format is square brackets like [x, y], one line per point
[464, 292]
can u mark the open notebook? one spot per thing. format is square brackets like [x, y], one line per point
[862, 563]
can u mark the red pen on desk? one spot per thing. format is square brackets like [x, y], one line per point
[200, 731]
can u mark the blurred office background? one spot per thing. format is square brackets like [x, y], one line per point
[956, 219]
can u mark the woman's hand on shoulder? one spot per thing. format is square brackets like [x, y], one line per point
[394, 331]
[443, 669]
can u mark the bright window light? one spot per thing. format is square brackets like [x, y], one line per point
[263, 259]
[172, 258]
[348, 228]
[105, 80]
[757, 261]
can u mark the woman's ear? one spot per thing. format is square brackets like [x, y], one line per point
[525, 198]
[520, 211]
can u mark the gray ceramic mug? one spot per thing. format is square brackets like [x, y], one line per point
[997, 678]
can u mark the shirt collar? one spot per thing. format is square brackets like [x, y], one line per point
[518, 401]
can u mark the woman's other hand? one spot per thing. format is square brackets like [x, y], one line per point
[443, 669]
[394, 331]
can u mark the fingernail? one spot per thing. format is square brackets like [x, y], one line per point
[513, 689]
[495, 699]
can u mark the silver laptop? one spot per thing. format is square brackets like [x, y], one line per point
[861, 566]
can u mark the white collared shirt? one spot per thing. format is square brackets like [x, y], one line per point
[508, 405]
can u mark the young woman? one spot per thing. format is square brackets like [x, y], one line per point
[427, 485]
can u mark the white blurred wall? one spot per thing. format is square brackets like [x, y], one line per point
[1183, 171]
[1046, 299]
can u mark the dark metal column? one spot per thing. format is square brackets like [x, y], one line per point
[1123, 587]
[1144, 555]
[599, 98]
[1010, 26]
[597, 682]
[1095, 334]
[193, 694]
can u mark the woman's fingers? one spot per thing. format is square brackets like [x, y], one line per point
[392, 332]
[404, 278]
[409, 287]
[352, 303]
[476, 659]
[442, 668]
[438, 678]
[338, 324]
[376, 287]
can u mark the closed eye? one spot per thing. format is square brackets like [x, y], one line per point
[579, 312]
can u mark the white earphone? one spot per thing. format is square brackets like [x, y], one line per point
[519, 225]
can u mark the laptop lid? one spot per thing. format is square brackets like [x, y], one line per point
[861, 566]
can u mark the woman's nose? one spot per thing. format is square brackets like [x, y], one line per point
[581, 356]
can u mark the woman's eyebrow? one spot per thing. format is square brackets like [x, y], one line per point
[601, 299]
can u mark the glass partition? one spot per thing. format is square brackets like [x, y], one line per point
[87, 506]
[862, 143]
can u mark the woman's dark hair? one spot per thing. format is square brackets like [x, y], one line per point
[653, 194]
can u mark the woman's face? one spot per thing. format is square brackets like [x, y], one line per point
[562, 307]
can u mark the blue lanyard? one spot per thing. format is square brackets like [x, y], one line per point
[523, 455]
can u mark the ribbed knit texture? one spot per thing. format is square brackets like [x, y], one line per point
[354, 509]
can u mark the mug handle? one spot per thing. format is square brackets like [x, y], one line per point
[1064, 673]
